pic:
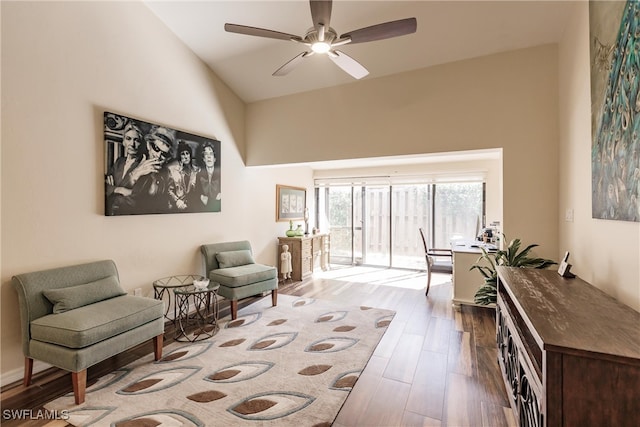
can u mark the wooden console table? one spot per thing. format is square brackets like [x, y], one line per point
[569, 353]
[308, 253]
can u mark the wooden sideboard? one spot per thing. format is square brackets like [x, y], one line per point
[569, 353]
[308, 253]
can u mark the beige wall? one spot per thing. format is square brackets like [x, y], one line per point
[604, 253]
[506, 101]
[63, 64]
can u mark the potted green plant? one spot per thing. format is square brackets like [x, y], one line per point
[512, 257]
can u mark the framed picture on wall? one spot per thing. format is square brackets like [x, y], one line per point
[290, 203]
[615, 71]
[154, 169]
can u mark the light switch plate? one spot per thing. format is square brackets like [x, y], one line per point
[568, 215]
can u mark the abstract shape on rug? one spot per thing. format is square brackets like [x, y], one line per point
[271, 405]
[331, 344]
[239, 372]
[289, 365]
[159, 380]
[185, 352]
[345, 381]
[273, 341]
[161, 418]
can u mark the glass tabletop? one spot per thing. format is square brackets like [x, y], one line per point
[177, 281]
[191, 289]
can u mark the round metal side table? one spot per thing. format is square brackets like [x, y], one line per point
[202, 322]
[162, 291]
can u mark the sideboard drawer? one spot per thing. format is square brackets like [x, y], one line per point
[306, 248]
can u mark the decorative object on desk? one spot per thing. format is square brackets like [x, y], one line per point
[290, 232]
[614, 69]
[299, 231]
[488, 261]
[306, 221]
[290, 365]
[290, 203]
[201, 283]
[153, 169]
[564, 267]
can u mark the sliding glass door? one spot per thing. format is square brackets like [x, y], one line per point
[378, 224]
[411, 210]
[336, 216]
[358, 221]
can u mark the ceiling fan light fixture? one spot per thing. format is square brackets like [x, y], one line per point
[321, 47]
[323, 39]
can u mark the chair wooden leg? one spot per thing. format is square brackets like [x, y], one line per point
[234, 309]
[79, 380]
[28, 371]
[157, 346]
[274, 297]
[428, 282]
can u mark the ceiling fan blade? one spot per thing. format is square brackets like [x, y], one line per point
[320, 13]
[289, 66]
[260, 32]
[383, 31]
[348, 64]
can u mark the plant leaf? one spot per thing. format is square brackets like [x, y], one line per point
[511, 257]
[486, 295]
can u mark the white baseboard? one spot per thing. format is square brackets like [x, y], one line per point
[18, 374]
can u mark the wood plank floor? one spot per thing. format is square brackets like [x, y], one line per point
[435, 366]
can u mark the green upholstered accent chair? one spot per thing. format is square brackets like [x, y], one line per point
[76, 316]
[231, 264]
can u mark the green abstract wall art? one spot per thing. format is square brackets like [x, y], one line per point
[614, 28]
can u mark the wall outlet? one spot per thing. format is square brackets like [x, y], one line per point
[568, 215]
[137, 292]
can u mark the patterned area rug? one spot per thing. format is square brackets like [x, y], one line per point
[290, 365]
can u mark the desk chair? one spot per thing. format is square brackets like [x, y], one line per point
[432, 263]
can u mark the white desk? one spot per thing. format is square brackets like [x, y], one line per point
[465, 282]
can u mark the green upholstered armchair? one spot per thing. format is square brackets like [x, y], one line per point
[74, 317]
[231, 264]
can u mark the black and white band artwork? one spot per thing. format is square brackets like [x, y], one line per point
[153, 169]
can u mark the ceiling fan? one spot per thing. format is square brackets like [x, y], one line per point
[323, 39]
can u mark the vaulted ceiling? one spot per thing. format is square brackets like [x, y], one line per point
[447, 31]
